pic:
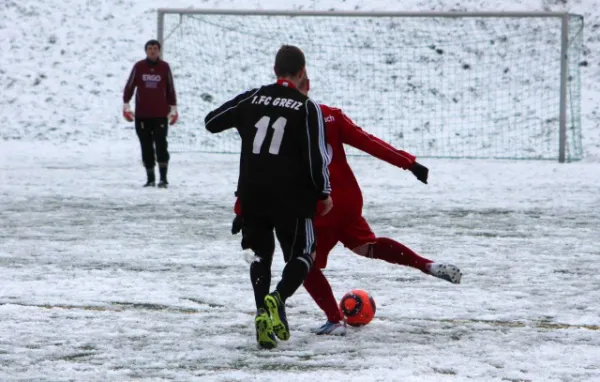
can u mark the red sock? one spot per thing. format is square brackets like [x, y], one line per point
[319, 289]
[396, 253]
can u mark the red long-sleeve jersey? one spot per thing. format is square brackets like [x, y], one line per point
[155, 89]
[346, 193]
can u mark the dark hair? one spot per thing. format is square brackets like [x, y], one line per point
[289, 61]
[152, 42]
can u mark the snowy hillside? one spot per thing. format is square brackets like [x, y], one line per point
[65, 62]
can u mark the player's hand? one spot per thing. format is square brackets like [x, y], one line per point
[325, 205]
[237, 224]
[173, 115]
[127, 113]
[420, 171]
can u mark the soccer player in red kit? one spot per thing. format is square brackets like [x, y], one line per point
[345, 223]
[155, 109]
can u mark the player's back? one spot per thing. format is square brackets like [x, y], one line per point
[345, 191]
[274, 132]
[283, 164]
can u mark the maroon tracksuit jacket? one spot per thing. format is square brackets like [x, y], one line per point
[155, 89]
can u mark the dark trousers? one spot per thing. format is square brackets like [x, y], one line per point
[297, 240]
[152, 133]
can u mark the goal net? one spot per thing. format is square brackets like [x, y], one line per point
[474, 86]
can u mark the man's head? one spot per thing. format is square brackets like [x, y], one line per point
[290, 64]
[152, 50]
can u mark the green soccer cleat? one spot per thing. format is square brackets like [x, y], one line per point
[276, 308]
[264, 330]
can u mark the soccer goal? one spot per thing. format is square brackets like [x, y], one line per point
[448, 85]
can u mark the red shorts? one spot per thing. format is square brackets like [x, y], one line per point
[352, 233]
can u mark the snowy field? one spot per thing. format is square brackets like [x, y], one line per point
[105, 281]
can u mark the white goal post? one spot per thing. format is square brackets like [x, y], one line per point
[439, 84]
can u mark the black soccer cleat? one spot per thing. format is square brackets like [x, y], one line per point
[150, 183]
[163, 184]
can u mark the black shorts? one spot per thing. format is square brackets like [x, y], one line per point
[296, 235]
[153, 126]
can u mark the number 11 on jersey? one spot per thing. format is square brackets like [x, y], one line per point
[262, 126]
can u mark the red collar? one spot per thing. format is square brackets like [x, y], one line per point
[286, 83]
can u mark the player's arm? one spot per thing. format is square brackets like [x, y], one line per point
[128, 93]
[130, 85]
[226, 116]
[171, 97]
[316, 149]
[356, 137]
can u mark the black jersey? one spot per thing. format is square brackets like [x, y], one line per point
[284, 158]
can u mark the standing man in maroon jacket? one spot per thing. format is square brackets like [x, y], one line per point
[156, 108]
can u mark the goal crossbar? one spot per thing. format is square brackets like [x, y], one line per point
[259, 12]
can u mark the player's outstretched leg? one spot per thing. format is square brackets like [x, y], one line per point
[296, 237]
[446, 272]
[396, 253]
[276, 307]
[264, 330]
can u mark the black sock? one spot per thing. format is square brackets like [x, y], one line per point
[150, 174]
[293, 275]
[260, 275]
[163, 172]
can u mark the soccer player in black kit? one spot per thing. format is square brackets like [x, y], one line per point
[283, 179]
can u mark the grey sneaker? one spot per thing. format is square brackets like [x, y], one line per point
[446, 272]
[332, 328]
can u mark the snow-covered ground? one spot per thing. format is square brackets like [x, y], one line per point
[104, 281]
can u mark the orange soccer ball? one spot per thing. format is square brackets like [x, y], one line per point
[358, 307]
